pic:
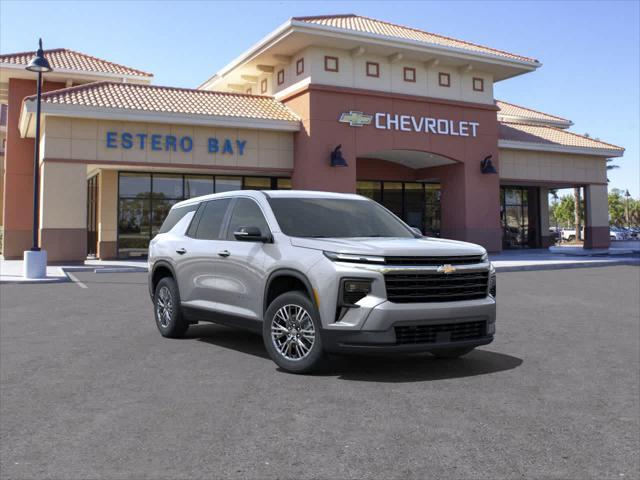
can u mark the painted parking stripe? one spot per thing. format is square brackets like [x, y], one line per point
[75, 280]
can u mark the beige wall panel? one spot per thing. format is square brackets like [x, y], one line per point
[63, 196]
[108, 206]
[85, 129]
[83, 149]
[249, 159]
[268, 140]
[598, 213]
[58, 127]
[57, 147]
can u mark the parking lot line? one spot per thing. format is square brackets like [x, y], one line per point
[75, 280]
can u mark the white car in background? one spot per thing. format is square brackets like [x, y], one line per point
[618, 234]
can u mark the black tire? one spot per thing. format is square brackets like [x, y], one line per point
[298, 336]
[166, 309]
[571, 238]
[452, 352]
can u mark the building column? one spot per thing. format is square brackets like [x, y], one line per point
[470, 205]
[596, 216]
[63, 211]
[107, 214]
[546, 240]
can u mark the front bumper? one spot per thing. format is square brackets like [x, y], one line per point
[378, 334]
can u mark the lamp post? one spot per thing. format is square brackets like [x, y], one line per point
[35, 260]
[626, 208]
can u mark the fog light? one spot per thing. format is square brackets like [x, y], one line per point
[354, 290]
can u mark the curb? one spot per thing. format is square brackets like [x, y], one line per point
[565, 266]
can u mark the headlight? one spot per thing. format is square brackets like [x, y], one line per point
[354, 289]
[493, 285]
[354, 258]
[485, 257]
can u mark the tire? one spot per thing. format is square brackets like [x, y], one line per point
[452, 352]
[571, 238]
[291, 333]
[166, 309]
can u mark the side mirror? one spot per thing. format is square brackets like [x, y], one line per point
[417, 231]
[250, 234]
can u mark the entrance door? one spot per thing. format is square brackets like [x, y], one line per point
[92, 216]
[519, 216]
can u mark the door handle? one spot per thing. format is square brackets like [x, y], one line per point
[181, 251]
[224, 253]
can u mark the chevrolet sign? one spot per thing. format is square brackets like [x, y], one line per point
[446, 269]
[355, 119]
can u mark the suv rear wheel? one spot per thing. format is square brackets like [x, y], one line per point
[291, 333]
[166, 303]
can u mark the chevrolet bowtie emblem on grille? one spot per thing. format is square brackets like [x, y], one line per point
[356, 119]
[446, 269]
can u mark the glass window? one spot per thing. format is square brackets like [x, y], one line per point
[392, 197]
[284, 184]
[372, 190]
[135, 184]
[167, 186]
[197, 185]
[246, 213]
[338, 218]
[211, 219]
[414, 205]
[257, 183]
[175, 216]
[432, 211]
[228, 184]
[133, 226]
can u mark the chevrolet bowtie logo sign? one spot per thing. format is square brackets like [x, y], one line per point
[446, 269]
[356, 119]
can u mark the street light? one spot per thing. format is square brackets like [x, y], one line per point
[35, 260]
[626, 208]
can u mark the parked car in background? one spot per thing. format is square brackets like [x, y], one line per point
[569, 234]
[618, 234]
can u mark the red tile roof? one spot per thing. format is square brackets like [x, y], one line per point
[65, 59]
[513, 110]
[370, 25]
[544, 135]
[152, 98]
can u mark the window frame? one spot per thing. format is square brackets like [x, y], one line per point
[280, 76]
[377, 67]
[327, 59]
[263, 85]
[442, 82]
[407, 70]
[200, 213]
[229, 215]
[480, 81]
[300, 66]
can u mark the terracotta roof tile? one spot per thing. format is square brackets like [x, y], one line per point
[517, 132]
[513, 110]
[152, 98]
[379, 27]
[65, 59]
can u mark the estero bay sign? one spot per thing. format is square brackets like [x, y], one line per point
[171, 143]
[411, 123]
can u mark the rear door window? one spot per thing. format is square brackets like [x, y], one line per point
[210, 222]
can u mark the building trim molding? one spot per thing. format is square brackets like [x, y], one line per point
[544, 147]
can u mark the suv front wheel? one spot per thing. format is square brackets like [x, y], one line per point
[291, 333]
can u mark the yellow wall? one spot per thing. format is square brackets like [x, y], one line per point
[80, 139]
[553, 167]
[63, 195]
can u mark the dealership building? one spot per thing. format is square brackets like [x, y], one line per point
[336, 103]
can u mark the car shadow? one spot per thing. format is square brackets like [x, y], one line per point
[369, 368]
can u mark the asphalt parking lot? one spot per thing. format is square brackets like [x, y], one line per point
[89, 389]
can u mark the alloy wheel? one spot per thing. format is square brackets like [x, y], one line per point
[164, 306]
[292, 332]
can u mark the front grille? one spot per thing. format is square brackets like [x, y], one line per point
[460, 260]
[451, 332]
[439, 287]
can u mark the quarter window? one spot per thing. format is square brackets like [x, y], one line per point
[211, 220]
[246, 213]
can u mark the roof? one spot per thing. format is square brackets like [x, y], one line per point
[553, 139]
[152, 98]
[362, 24]
[512, 112]
[65, 59]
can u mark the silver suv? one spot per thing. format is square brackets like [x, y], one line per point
[317, 272]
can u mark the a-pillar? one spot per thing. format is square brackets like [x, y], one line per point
[63, 211]
[596, 216]
[546, 240]
[107, 214]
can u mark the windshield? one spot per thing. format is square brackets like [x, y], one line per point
[336, 218]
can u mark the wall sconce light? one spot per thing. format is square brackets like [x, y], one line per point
[337, 160]
[486, 166]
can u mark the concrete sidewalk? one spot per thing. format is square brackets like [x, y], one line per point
[507, 261]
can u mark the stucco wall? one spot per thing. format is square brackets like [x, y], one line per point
[85, 140]
[551, 167]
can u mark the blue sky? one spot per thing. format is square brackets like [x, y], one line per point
[589, 50]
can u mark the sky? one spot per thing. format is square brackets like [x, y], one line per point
[590, 51]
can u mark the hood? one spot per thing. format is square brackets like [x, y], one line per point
[418, 247]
